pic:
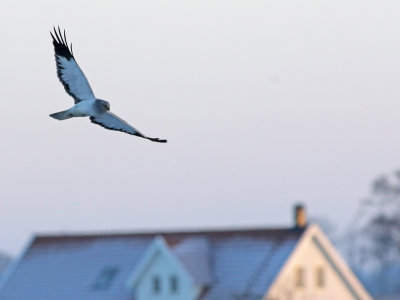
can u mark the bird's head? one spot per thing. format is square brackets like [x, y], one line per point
[104, 105]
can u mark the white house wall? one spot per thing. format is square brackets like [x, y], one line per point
[164, 267]
[312, 253]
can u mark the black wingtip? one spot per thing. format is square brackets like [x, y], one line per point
[157, 140]
[60, 43]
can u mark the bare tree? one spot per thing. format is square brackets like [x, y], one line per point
[380, 224]
[373, 238]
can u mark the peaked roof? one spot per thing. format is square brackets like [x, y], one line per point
[159, 244]
[314, 236]
[231, 263]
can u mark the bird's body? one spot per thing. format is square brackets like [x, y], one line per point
[84, 109]
[80, 109]
[77, 86]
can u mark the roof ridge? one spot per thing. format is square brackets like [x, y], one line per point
[151, 232]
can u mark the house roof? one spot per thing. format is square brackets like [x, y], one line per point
[230, 263]
[195, 253]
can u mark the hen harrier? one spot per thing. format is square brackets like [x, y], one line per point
[77, 86]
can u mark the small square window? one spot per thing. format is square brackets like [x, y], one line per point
[300, 277]
[173, 284]
[320, 277]
[156, 284]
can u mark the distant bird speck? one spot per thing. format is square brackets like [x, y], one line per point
[77, 86]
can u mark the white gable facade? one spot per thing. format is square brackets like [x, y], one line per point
[316, 271]
[161, 276]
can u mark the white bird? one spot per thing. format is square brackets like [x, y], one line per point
[77, 86]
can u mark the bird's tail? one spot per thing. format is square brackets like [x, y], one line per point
[61, 115]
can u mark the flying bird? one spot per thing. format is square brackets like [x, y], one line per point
[77, 86]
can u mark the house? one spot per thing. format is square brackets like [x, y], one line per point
[241, 264]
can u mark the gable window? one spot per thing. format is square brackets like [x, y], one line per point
[173, 284]
[156, 284]
[320, 277]
[105, 278]
[300, 277]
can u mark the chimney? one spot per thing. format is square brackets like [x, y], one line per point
[300, 218]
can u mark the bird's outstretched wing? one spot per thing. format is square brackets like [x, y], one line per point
[68, 71]
[110, 121]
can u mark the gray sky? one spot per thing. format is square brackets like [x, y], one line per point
[263, 102]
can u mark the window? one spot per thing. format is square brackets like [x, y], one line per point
[320, 277]
[299, 277]
[105, 278]
[156, 284]
[173, 284]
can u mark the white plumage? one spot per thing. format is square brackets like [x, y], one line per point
[77, 86]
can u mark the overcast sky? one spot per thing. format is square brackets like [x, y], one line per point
[263, 103]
